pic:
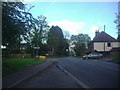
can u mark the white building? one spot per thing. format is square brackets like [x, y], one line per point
[103, 42]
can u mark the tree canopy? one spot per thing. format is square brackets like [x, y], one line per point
[56, 41]
[80, 42]
[12, 24]
[19, 25]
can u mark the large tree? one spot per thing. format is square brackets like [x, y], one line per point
[80, 43]
[56, 41]
[36, 36]
[19, 25]
[117, 21]
[12, 24]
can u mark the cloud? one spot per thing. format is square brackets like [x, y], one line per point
[101, 23]
[94, 28]
[72, 27]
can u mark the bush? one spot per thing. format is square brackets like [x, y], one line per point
[116, 60]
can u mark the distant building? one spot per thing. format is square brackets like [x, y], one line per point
[103, 42]
[71, 48]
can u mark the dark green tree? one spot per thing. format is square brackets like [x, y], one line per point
[12, 24]
[56, 41]
[36, 35]
[80, 42]
[117, 21]
[79, 48]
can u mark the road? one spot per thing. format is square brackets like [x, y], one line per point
[76, 73]
[51, 78]
[93, 73]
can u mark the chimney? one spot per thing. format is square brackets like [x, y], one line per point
[97, 32]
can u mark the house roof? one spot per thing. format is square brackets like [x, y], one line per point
[104, 37]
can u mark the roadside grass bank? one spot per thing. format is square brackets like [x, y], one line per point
[12, 65]
[116, 60]
[78, 56]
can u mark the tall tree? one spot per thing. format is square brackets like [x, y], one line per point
[36, 35]
[12, 24]
[56, 41]
[117, 21]
[79, 48]
[80, 43]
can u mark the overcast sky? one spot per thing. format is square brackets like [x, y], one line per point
[78, 17]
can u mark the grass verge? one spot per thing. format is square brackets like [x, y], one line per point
[12, 65]
[79, 56]
[116, 60]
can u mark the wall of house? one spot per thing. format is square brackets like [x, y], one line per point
[116, 44]
[99, 46]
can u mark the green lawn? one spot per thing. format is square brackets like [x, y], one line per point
[12, 65]
[79, 56]
[116, 60]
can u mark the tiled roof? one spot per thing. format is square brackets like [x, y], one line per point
[104, 37]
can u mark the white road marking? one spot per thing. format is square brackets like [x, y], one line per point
[83, 85]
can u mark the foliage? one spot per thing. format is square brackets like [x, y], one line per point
[116, 60]
[56, 41]
[82, 38]
[117, 21]
[79, 48]
[16, 24]
[20, 26]
[36, 36]
[12, 65]
[80, 42]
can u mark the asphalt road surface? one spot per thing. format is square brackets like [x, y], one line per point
[76, 73]
[51, 78]
[93, 73]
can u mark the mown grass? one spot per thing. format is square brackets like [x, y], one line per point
[79, 56]
[116, 60]
[12, 65]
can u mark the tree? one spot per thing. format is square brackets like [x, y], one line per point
[80, 43]
[19, 25]
[56, 41]
[79, 48]
[39, 27]
[117, 21]
[12, 24]
[66, 34]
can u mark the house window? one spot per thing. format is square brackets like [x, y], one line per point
[109, 44]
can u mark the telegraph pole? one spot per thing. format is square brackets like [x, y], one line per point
[104, 40]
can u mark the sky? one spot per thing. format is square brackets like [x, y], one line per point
[78, 17]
